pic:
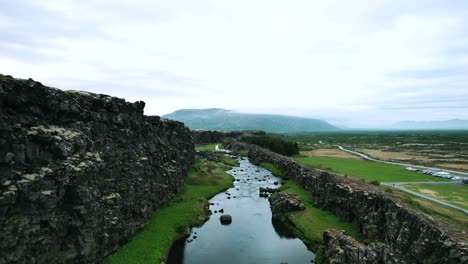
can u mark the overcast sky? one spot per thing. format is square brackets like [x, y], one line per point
[353, 63]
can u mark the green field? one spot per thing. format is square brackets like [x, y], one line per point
[151, 245]
[312, 221]
[207, 147]
[367, 170]
[455, 194]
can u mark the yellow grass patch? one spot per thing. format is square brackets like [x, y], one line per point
[329, 153]
[392, 155]
[457, 166]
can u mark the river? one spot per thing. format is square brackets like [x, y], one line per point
[252, 237]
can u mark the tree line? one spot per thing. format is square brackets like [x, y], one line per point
[273, 143]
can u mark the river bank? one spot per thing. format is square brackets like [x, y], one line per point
[151, 245]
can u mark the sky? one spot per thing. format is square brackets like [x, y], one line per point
[356, 64]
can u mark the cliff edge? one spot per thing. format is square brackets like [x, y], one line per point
[81, 173]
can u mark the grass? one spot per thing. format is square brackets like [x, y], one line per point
[151, 245]
[453, 220]
[208, 147]
[243, 152]
[455, 194]
[313, 222]
[275, 171]
[367, 170]
[229, 161]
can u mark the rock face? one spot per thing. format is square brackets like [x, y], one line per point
[281, 202]
[408, 235]
[80, 173]
[340, 248]
[213, 136]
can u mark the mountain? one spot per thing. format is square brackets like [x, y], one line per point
[452, 124]
[222, 119]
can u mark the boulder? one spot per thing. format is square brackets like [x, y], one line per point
[282, 202]
[225, 219]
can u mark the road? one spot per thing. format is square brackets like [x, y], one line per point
[400, 185]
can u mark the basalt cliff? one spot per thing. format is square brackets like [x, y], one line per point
[397, 234]
[81, 173]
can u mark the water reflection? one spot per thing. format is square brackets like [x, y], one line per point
[252, 237]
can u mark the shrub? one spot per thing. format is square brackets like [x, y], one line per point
[375, 182]
[273, 143]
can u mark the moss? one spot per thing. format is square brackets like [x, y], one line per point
[205, 179]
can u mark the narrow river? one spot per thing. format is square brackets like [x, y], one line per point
[252, 237]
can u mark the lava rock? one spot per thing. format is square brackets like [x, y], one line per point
[225, 219]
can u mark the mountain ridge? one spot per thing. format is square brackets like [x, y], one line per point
[223, 119]
[450, 124]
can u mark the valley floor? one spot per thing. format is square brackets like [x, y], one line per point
[151, 245]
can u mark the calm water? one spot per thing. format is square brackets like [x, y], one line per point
[251, 237]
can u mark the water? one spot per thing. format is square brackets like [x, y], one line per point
[252, 237]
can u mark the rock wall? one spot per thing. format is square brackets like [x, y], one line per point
[81, 173]
[211, 136]
[407, 236]
[214, 136]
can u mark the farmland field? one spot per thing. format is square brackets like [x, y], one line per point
[444, 149]
[455, 194]
[367, 170]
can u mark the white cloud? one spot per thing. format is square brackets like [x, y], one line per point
[345, 61]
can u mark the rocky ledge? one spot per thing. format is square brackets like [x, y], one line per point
[81, 173]
[281, 203]
[341, 248]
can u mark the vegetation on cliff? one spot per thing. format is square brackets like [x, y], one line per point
[205, 179]
[273, 143]
[311, 223]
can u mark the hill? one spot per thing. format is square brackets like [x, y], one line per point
[222, 119]
[452, 124]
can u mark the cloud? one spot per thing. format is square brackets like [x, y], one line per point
[353, 62]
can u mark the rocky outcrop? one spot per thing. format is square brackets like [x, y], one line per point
[409, 235]
[80, 173]
[281, 203]
[340, 248]
[213, 136]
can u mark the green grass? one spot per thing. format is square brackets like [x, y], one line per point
[207, 147]
[313, 222]
[367, 170]
[151, 245]
[455, 194]
[243, 152]
[229, 161]
[275, 171]
[455, 219]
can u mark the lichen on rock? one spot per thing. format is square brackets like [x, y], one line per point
[75, 165]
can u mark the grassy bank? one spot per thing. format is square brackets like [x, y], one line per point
[208, 147]
[367, 170]
[455, 194]
[275, 171]
[311, 223]
[453, 220]
[205, 180]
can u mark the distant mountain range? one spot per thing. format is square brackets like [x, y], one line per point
[453, 124]
[222, 119]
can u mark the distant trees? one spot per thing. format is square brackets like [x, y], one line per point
[273, 143]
